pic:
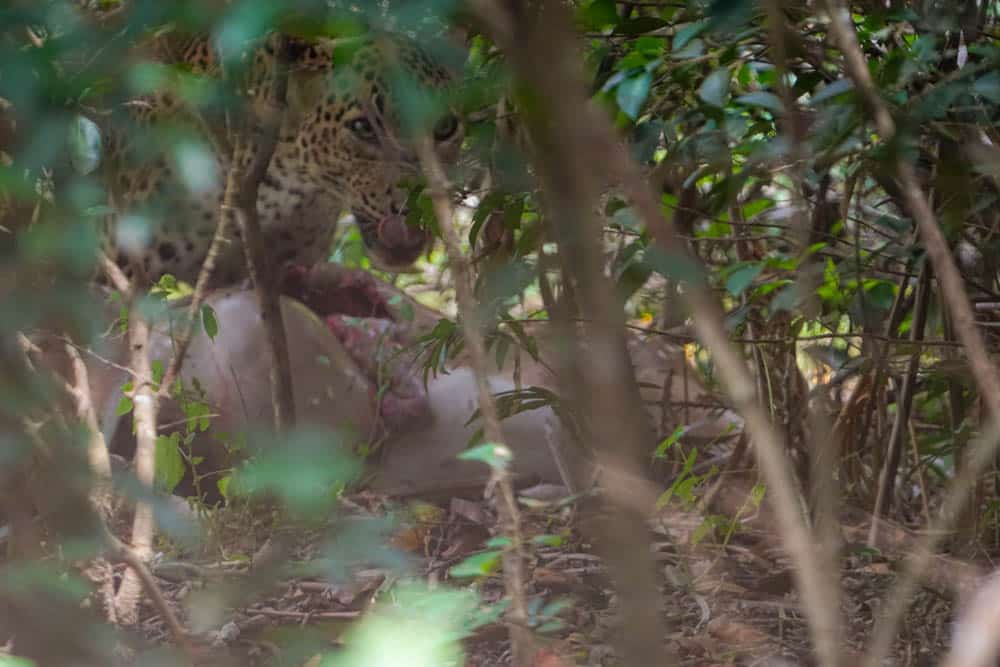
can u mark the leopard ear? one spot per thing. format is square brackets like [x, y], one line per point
[309, 67]
[322, 53]
[309, 54]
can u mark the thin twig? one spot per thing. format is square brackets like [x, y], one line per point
[240, 199]
[97, 448]
[94, 504]
[510, 518]
[123, 554]
[183, 340]
[115, 274]
[538, 40]
[904, 402]
[145, 407]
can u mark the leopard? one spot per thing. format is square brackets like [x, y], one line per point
[342, 148]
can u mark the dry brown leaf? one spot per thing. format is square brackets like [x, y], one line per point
[735, 632]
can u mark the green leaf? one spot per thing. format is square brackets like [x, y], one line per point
[406, 312]
[632, 94]
[492, 454]
[84, 144]
[499, 542]
[628, 219]
[209, 321]
[687, 33]
[548, 540]
[728, 15]
[988, 86]
[600, 13]
[882, 293]
[762, 99]
[167, 283]
[668, 442]
[169, 462]
[676, 266]
[741, 277]
[694, 49]
[838, 87]
[646, 140]
[787, 299]
[651, 47]
[936, 103]
[715, 88]
[705, 528]
[157, 368]
[305, 469]
[756, 206]
[477, 565]
[125, 406]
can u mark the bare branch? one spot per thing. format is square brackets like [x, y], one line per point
[121, 553]
[239, 204]
[571, 107]
[536, 39]
[144, 414]
[205, 276]
[506, 502]
[258, 143]
[115, 275]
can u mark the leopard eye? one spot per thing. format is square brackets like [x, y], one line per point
[446, 128]
[362, 128]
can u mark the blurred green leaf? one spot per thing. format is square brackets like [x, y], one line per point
[668, 442]
[84, 144]
[305, 468]
[831, 90]
[646, 140]
[674, 266]
[209, 321]
[196, 166]
[598, 14]
[728, 15]
[988, 86]
[492, 454]
[687, 33]
[157, 369]
[631, 94]
[416, 627]
[169, 462]
[548, 540]
[740, 278]
[478, 565]
[763, 99]
[715, 88]
[125, 406]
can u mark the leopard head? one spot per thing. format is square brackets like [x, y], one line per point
[348, 113]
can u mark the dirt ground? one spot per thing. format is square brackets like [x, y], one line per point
[727, 600]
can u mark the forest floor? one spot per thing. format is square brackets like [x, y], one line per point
[725, 600]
